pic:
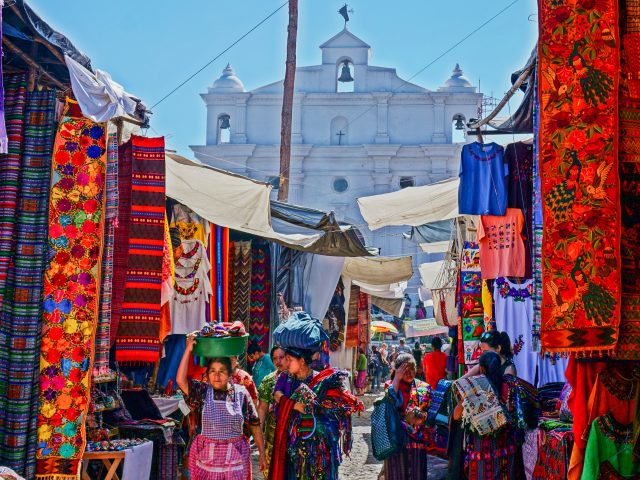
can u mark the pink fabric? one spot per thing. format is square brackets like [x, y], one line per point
[502, 252]
[361, 379]
[220, 460]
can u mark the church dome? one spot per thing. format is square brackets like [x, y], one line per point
[228, 82]
[457, 80]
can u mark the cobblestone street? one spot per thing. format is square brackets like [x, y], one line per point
[362, 465]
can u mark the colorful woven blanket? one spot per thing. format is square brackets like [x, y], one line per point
[71, 285]
[103, 331]
[628, 347]
[470, 307]
[578, 91]
[138, 338]
[260, 295]
[21, 314]
[16, 92]
[240, 289]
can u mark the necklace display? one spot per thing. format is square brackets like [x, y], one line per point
[184, 273]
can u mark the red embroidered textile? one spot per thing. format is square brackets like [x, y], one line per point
[138, 339]
[71, 286]
[578, 91]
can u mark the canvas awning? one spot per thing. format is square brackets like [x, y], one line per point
[392, 306]
[429, 273]
[412, 206]
[244, 204]
[378, 270]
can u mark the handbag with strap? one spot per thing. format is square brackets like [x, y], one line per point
[387, 433]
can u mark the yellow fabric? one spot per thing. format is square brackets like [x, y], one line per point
[487, 305]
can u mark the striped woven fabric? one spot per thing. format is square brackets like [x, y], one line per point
[21, 313]
[15, 96]
[121, 238]
[103, 331]
[138, 339]
[241, 286]
[71, 283]
[260, 295]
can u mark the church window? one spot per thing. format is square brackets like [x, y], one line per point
[407, 182]
[340, 185]
[345, 81]
[224, 128]
[339, 131]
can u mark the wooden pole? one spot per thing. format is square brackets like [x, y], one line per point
[287, 102]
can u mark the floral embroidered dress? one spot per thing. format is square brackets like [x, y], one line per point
[514, 315]
[413, 400]
[192, 288]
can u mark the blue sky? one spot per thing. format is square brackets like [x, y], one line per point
[150, 46]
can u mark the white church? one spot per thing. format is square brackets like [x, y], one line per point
[358, 130]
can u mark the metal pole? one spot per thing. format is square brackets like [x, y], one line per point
[287, 102]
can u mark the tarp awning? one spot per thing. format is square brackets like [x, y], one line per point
[412, 206]
[429, 273]
[378, 270]
[392, 306]
[244, 204]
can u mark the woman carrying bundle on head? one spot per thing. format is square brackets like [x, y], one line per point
[219, 410]
[313, 411]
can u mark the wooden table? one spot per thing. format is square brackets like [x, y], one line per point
[111, 460]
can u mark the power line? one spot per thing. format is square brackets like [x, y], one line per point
[220, 54]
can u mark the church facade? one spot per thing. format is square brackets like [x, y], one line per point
[373, 134]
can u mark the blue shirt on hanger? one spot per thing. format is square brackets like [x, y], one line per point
[483, 187]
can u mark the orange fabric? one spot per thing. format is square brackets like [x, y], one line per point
[434, 365]
[165, 321]
[502, 252]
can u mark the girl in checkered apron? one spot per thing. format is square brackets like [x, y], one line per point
[220, 409]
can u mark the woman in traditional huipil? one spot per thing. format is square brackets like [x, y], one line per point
[489, 406]
[267, 403]
[313, 416]
[413, 399]
[219, 411]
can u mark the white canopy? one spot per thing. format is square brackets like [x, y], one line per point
[226, 199]
[429, 273]
[412, 206]
[435, 247]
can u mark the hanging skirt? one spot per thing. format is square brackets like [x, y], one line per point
[219, 459]
[361, 379]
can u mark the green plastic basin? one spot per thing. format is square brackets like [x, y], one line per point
[208, 347]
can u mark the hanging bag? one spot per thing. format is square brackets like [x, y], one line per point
[387, 433]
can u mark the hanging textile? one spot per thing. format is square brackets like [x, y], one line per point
[628, 347]
[470, 307]
[578, 62]
[4, 140]
[192, 289]
[519, 158]
[71, 285]
[121, 239]
[352, 318]
[219, 258]
[138, 339]
[15, 96]
[364, 319]
[537, 229]
[103, 331]
[21, 314]
[241, 284]
[514, 311]
[260, 295]
[167, 290]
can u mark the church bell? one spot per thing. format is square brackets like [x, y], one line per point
[224, 122]
[345, 75]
